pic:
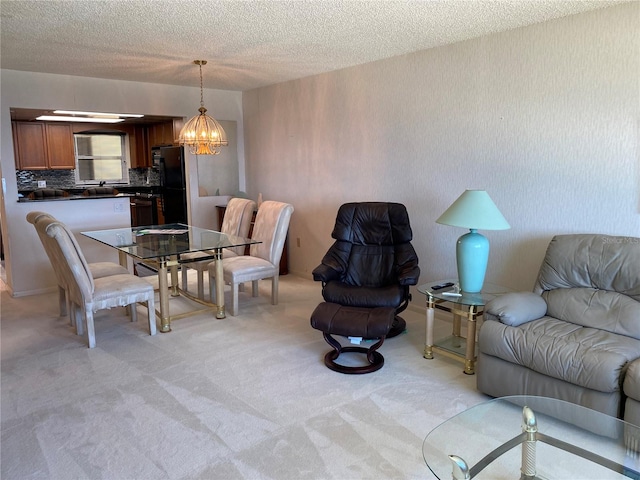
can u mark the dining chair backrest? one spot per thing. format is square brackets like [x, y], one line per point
[237, 219]
[271, 226]
[74, 266]
[32, 218]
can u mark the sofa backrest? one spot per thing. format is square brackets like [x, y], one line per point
[593, 280]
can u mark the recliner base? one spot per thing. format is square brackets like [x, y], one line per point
[375, 359]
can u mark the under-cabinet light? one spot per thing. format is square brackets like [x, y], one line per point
[80, 119]
[98, 114]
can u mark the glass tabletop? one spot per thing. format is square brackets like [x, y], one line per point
[454, 295]
[571, 442]
[157, 241]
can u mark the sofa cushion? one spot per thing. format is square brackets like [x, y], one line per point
[583, 356]
[517, 308]
[590, 307]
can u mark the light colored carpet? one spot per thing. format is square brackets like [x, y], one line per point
[243, 397]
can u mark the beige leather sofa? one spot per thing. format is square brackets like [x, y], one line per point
[576, 337]
[631, 388]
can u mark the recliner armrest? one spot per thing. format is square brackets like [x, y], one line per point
[409, 275]
[514, 309]
[324, 273]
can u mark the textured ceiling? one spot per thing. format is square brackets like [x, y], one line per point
[248, 44]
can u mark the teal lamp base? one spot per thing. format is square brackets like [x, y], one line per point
[472, 255]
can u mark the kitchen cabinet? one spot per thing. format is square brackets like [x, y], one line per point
[165, 133]
[60, 146]
[30, 145]
[43, 146]
[147, 136]
[140, 150]
[176, 124]
[142, 213]
[154, 134]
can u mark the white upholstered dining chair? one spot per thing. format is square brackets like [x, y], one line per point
[237, 222]
[86, 294]
[98, 269]
[270, 228]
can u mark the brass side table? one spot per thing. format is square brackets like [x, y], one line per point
[461, 305]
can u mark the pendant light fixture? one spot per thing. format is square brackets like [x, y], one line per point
[203, 134]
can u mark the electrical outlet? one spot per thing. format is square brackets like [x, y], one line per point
[42, 184]
[298, 241]
[118, 207]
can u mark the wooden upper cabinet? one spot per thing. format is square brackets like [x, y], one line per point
[165, 133]
[49, 145]
[140, 150]
[30, 146]
[43, 146]
[60, 147]
[176, 125]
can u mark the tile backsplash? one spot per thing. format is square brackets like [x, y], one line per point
[65, 179]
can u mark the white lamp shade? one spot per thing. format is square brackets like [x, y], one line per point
[474, 209]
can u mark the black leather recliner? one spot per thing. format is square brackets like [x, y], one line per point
[371, 265]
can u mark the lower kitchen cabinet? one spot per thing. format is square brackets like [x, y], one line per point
[142, 211]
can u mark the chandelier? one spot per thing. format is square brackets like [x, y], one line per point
[203, 134]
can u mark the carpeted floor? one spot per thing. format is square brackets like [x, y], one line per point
[246, 397]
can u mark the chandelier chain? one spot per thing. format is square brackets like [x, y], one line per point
[201, 97]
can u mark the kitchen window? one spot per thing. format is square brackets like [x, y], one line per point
[100, 158]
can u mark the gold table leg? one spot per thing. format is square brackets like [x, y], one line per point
[173, 270]
[470, 354]
[165, 319]
[219, 285]
[457, 329]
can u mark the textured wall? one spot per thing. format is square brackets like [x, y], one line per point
[545, 118]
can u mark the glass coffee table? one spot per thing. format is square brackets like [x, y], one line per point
[531, 437]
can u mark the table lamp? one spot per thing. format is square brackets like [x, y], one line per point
[474, 210]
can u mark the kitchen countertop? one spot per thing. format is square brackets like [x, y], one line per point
[74, 197]
[76, 194]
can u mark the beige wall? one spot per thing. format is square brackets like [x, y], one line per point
[545, 118]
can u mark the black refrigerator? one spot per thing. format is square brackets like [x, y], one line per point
[173, 184]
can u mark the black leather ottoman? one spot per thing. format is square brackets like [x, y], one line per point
[367, 323]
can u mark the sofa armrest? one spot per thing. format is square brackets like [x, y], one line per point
[514, 309]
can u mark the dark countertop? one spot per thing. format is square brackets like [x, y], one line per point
[73, 197]
[147, 191]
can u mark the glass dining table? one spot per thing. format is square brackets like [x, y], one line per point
[162, 247]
